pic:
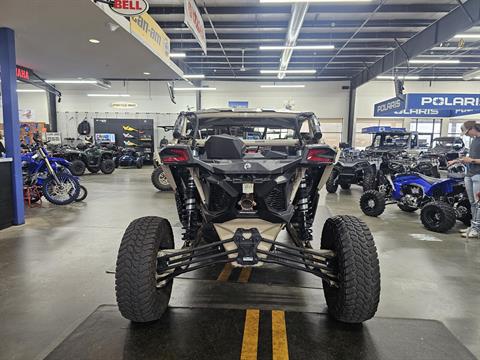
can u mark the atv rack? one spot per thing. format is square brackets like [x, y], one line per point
[171, 263]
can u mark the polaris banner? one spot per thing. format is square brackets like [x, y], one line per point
[453, 102]
[388, 107]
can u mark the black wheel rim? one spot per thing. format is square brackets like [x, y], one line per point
[433, 217]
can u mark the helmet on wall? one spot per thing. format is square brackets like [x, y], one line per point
[457, 171]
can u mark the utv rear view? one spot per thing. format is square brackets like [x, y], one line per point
[240, 177]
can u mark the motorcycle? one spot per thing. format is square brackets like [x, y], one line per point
[49, 177]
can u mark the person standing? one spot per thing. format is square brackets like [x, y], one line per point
[2, 147]
[472, 162]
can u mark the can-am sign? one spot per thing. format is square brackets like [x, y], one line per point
[129, 7]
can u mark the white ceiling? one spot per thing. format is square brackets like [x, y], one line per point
[52, 39]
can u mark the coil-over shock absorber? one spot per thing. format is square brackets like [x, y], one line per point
[303, 211]
[190, 214]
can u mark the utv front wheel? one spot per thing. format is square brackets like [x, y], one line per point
[372, 203]
[355, 297]
[438, 216]
[332, 185]
[107, 166]
[77, 167]
[139, 297]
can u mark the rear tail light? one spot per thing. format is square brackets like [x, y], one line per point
[323, 156]
[174, 155]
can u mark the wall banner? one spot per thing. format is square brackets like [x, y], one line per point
[194, 21]
[451, 102]
[146, 29]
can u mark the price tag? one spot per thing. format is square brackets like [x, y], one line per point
[248, 188]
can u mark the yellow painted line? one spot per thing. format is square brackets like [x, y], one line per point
[226, 272]
[250, 335]
[245, 275]
[279, 336]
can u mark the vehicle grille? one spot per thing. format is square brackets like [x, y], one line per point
[276, 199]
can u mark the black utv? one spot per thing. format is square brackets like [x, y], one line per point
[239, 178]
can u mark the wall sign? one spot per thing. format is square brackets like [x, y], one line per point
[146, 29]
[124, 105]
[129, 7]
[23, 73]
[238, 104]
[451, 102]
[194, 21]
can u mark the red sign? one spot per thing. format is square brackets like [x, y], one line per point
[129, 7]
[23, 73]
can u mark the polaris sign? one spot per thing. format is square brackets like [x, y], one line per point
[451, 102]
[388, 107]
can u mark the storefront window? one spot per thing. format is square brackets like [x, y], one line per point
[427, 129]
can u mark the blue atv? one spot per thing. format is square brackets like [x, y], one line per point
[442, 201]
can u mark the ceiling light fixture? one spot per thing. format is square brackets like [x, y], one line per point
[467, 36]
[108, 95]
[288, 71]
[94, 41]
[178, 55]
[146, 73]
[282, 86]
[406, 77]
[30, 90]
[71, 81]
[196, 89]
[297, 47]
[434, 61]
[194, 76]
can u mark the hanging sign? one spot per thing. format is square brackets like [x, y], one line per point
[451, 102]
[129, 7]
[194, 21]
[23, 73]
[146, 29]
[388, 107]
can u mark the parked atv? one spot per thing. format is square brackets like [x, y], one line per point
[442, 202]
[95, 159]
[131, 158]
[234, 195]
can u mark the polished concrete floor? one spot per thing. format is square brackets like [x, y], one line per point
[56, 269]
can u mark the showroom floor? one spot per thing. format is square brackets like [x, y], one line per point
[56, 270]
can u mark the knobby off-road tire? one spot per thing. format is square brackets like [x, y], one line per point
[77, 167]
[356, 298]
[159, 180]
[138, 297]
[372, 203]
[107, 166]
[438, 216]
[331, 185]
[369, 181]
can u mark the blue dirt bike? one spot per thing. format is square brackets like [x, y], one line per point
[442, 201]
[50, 177]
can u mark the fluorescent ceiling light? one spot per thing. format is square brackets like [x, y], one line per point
[281, 86]
[146, 73]
[407, 77]
[30, 90]
[288, 71]
[433, 61]
[196, 89]
[108, 95]
[178, 55]
[194, 76]
[467, 36]
[94, 41]
[71, 81]
[298, 47]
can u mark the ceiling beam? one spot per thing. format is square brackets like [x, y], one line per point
[458, 20]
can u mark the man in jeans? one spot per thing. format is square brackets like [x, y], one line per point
[472, 162]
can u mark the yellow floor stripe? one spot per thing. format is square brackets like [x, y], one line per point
[279, 336]
[245, 275]
[225, 274]
[250, 335]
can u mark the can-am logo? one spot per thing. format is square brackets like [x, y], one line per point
[129, 7]
[395, 104]
[447, 101]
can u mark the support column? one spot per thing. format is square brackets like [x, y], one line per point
[52, 111]
[351, 115]
[11, 123]
[444, 129]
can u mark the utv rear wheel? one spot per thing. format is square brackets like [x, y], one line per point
[438, 216]
[372, 203]
[159, 180]
[369, 181]
[356, 296]
[107, 166]
[332, 185]
[139, 297]
[77, 167]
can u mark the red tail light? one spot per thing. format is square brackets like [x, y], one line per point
[174, 155]
[323, 156]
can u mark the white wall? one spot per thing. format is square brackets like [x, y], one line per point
[36, 102]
